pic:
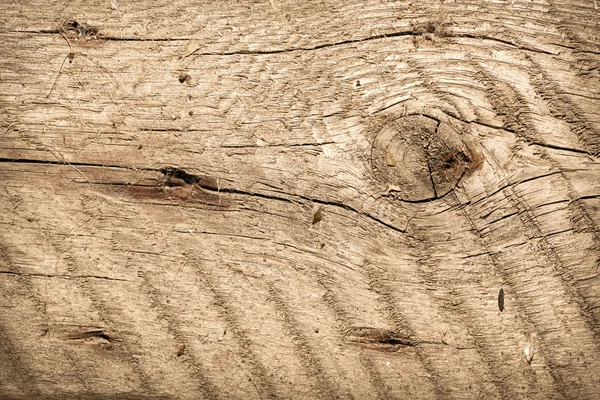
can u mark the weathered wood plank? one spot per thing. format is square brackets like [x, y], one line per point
[161, 166]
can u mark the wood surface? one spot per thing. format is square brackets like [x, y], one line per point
[300, 200]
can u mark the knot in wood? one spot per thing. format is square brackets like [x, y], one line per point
[418, 158]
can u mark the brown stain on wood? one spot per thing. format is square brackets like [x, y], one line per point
[475, 159]
[178, 185]
[183, 194]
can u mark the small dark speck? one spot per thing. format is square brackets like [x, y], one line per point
[318, 216]
[191, 113]
[183, 77]
[501, 300]
[140, 147]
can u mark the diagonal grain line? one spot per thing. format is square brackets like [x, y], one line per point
[402, 326]
[41, 309]
[18, 372]
[569, 282]
[344, 322]
[574, 40]
[561, 107]
[382, 390]
[505, 275]
[431, 275]
[467, 319]
[106, 315]
[510, 104]
[27, 382]
[260, 376]
[312, 365]
[518, 117]
[208, 389]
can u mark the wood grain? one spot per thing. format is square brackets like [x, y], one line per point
[299, 200]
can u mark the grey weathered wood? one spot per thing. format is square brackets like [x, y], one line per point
[162, 164]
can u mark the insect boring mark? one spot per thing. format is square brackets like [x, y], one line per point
[501, 300]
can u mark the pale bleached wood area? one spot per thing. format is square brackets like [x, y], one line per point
[299, 200]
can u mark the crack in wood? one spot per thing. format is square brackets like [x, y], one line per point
[408, 33]
[91, 334]
[379, 339]
[430, 158]
[207, 184]
[38, 275]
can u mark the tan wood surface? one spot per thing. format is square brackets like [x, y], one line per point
[299, 200]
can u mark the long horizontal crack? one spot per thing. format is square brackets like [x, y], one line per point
[241, 146]
[193, 179]
[238, 52]
[597, 196]
[189, 178]
[410, 32]
[311, 48]
[39, 275]
[349, 208]
[502, 41]
[78, 164]
[555, 147]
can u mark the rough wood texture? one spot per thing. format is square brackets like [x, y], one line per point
[299, 200]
